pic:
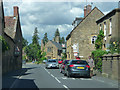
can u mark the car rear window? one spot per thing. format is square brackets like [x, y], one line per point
[52, 61]
[79, 62]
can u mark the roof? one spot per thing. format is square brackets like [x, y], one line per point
[10, 23]
[108, 15]
[77, 18]
[69, 35]
[57, 45]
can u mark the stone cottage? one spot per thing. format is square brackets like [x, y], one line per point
[110, 24]
[12, 59]
[53, 48]
[81, 40]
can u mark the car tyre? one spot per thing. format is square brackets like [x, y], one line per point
[68, 75]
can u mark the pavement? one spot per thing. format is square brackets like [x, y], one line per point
[36, 76]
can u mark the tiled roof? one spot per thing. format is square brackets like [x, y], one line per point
[10, 23]
[57, 45]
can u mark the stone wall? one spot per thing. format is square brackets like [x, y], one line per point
[111, 66]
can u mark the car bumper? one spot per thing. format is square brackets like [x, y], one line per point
[80, 73]
[51, 66]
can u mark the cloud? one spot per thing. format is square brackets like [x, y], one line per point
[48, 16]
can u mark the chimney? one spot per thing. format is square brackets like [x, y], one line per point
[16, 11]
[87, 10]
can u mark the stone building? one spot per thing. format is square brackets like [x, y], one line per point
[11, 32]
[52, 48]
[81, 40]
[110, 24]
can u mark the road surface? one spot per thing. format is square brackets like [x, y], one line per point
[37, 76]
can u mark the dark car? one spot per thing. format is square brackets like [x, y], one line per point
[77, 68]
[62, 67]
[60, 61]
[52, 63]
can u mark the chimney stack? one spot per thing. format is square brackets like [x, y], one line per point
[16, 11]
[87, 10]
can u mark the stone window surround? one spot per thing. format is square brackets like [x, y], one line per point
[93, 37]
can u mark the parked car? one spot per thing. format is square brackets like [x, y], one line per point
[60, 61]
[44, 61]
[77, 68]
[52, 63]
[62, 67]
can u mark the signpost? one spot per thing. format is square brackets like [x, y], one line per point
[76, 49]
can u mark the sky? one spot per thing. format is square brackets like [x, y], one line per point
[48, 16]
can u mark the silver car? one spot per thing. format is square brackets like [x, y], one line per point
[52, 63]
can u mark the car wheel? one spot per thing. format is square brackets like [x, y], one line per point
[68, 75]
[64, 74]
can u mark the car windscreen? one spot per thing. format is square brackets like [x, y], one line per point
[51, 60]
[79, 62]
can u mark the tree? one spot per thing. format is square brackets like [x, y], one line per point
[62, 40]
[24, 43]
[45, 39]
[57, 33]
[35, 38]
[99, 40]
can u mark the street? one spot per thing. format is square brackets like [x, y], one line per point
[37, 76]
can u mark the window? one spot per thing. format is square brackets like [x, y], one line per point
[93, 39]
[110, 32]
[49, 49]
[105, 31]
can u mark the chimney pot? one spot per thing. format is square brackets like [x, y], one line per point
[16, 11]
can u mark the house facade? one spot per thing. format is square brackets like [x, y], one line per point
[11, 32]
[52, 48]
[110, 24]
[81, 40]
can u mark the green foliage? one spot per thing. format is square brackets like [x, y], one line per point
[99, 40]
[57, 33]
[5, 45]
[35, 38]
[24, 43]
[97, 54]
[114, 47]
[62, 40]
[45, 39]
[64, 56]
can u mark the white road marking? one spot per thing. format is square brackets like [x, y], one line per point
[66, 87]
[52, 75]
[47, 70]
[57, 80]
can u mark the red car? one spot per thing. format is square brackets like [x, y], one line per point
[60, 61]
[62, 67]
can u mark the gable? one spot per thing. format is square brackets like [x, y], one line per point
[92, 16]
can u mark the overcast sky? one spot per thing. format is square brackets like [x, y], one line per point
[48, 16]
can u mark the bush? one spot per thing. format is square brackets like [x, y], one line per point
[97, 54]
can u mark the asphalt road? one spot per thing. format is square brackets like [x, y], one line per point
[37, 76]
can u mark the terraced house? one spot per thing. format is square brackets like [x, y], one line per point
[11, 32]
[53, 48]
[110, 24]
[84, 34]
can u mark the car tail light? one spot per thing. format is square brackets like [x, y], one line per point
[71, 65]
[88, 66]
